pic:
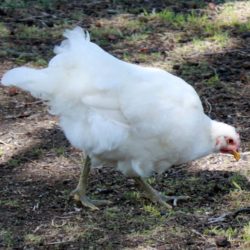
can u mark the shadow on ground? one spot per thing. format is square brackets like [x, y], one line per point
[36, 179]
[38, 205]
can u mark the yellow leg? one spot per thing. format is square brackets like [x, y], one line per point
[157, 197]
[79, 194]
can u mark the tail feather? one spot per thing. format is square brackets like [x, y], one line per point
[19, 76]
[80, 67]
[32, 80]
[75, 38]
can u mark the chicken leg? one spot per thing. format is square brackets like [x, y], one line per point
[79, 194]
[157, 197]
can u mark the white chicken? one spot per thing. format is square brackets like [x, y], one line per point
[144, 119]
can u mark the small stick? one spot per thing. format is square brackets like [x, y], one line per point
[2, 142]
[229, 215]
[6, 144]
[208, 105]
[58, 242]
[198, 233]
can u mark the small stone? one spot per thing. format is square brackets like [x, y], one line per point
[112, 37]
[98, 24]
[163, 213]
[222, 241]
[211, 6]
[176, 66]
[12, 91]
[246, 65]
[112, 11]
[245, 35]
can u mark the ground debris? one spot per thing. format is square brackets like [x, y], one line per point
[222, 241]
[39, 168]
[229, 216]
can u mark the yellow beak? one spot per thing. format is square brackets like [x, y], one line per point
[236, 155]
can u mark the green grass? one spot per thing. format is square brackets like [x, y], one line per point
[78, 15]
[243, 27]
[134, 26]
[199, 44]
[7, 238]
[151, 180]
[168, 16]
[239, 194]
[230, 232]
[213, 81]
[60, 151]
[13, 4]
[112, 213]
[40, 62]
[231, 13]
[238, 182]
[1, 152]
[14, 162]
[104, 35]
[19, 47]
[36, 152]
[220, 38]
[34, 32]
[228, 15]
[182, 21]
[31, 32]
[132, 195]
[9, 203]
[145, 57]
[152, 210]
[196, 21]
[246, 233]
[238, 198]
[203, 26]
[211, 28]
[22, 4]
[135, 37]
[4, 31]
[32, 239]
[199, 70]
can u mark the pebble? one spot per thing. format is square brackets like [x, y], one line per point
[222, 241]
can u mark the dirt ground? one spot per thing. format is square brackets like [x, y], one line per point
[39, 168]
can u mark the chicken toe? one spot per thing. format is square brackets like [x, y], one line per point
[79, 194]
[80, 197]
[174, 198]
[156, 196]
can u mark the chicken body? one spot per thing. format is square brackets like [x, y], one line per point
[145, 119]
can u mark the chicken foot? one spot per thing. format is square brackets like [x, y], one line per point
[156, 196]
[79, 194]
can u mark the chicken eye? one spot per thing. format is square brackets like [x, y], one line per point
[230, 141]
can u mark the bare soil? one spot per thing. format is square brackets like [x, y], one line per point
[39, 168]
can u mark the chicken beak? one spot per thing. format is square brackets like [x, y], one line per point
[236, 155]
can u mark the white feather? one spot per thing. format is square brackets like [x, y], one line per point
[143, 118]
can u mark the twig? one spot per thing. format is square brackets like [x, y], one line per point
[2, 142]
[21, 115]
[198, 233]
[6, 144]
[208, 105]
[35, 207]
[218, 53]
[34, 103]
[57, 225]
[58, 242]
[38, 228]
[229, 215]
[63, 217]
